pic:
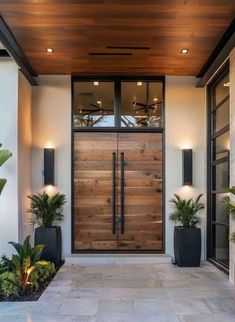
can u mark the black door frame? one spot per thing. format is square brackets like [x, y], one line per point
[117, 83]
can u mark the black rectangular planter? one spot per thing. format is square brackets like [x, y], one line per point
[51, 237]
[187, 246]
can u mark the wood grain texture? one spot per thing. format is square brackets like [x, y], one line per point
[93, 191]
[74, 28]
[142, 159]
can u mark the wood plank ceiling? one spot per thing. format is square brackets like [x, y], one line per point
[77, 28]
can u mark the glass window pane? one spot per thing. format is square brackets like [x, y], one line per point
[221, 243]
[93, 104]
[141, 104]
[221, 116]
[220, 176]
[221, 90]
[219, 213]
[221, 146]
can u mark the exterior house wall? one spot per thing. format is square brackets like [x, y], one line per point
[13, 95]
[185, 128]
[185, 123]
[51, 125]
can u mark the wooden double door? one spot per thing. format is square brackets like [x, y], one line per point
[117, 191]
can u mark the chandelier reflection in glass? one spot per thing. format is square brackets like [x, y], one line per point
[149, 119]
[87, 114]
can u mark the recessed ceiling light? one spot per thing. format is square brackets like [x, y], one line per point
[96, 83]
[98, 102]
[139, 83]
[226, 84]
[49, 50]
[184, 51]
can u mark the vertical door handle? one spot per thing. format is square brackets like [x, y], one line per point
[122, 193]
[114, 194]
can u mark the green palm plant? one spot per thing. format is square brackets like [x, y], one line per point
[186, 212]
[4, 156]
[47, 209]
[230, 207]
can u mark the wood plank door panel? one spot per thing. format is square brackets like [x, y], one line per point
[93, 187]
[142, 191]
[142, 154]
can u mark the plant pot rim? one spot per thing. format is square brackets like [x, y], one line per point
[41, 227]
[191, 228]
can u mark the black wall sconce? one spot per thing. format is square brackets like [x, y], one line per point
[49, 157]
[187, 167]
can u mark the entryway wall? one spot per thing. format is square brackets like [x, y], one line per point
[185, 127]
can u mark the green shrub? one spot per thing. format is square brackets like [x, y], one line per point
[6, 265]
[24, 262]
[43, 271]
[10, 284]
[24, 272]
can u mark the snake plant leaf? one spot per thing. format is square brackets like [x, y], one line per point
[2, 184]
[4, 156]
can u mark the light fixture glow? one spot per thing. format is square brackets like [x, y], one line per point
[226, 84]
[98, 102]
[184, 51]
[139, 83]
[49, 145]
[155, 99]
[49, 50]
[96, 83]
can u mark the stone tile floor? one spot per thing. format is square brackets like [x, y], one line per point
[130, 293]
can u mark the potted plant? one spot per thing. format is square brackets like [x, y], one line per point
[47, 211]
[187, 236]
[4, 156]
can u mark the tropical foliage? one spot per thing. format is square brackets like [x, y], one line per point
[186, 212]
[230, 207]
[4, 156]
[24, 272]
[47, 209]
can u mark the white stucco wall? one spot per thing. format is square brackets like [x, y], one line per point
[51, 125]
[8, 137]
[185, 128]
[185, 125]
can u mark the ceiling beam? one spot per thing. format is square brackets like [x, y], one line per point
[218, 56]
[16, 52]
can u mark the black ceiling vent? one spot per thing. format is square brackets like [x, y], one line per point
[86, 94]
[4, 53]
[110, 54]
[129, 47]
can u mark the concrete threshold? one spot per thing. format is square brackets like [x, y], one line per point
[100, 259]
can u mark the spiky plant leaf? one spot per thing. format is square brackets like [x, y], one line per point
[3, 181]
[186, 212]
[4, 156]
[46, 209]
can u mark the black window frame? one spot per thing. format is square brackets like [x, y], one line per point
[117, 80]
[212, 162]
